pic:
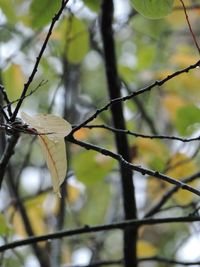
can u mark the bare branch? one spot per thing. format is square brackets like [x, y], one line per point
[38, 58]
[169, 261]
[167, 195]
[6, 99]
[138, 92]
[8, 152]
[93, 229]
[9, 104]
[103, 126]
[137, 168]
[190, 27]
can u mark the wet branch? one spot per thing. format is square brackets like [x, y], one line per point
[114, 88]
[147, 88]
[94, 229]
[38, 58]
[137, 168]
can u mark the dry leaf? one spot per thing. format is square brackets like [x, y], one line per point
[52, 130]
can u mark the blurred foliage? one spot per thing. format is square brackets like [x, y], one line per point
[153, 9]
[73, 68]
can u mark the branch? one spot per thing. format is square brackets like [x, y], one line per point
[167, 195]
[169, 261]
[100, 263]
[190, 7]
[147, 118]
[93, 229]
[136, 93]
[38, 58]
[190, 27]
[112, 129]
[122, 146]
[39, 252]
[10, 103]
[137, 168]
[145, 259]
[6, 99]
[138, 103]
[8, 152]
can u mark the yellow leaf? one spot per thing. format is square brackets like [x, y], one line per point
[177, 18]
[181, 166]
[183, 59]
[81, 134]
[147, 148]
[35, 212]
[13, 80]
[72, 196]
[52, 130]
[172, 102]
[73, 193]
[185, 87]
[145, 249]
[155, 189]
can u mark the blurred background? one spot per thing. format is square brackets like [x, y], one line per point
[71, 83]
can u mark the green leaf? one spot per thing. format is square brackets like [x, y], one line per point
[13, 81]
[94, 5]
[77, 41]
[5, 33]
[91, 166]
[3, 225]
[126, 72]
[98, 201]
[8, 8]
[187, 119]
[153, 9]
[152, 28]
[42, 12]
[145, 57]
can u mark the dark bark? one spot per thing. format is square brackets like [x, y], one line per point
[130, 235]
[99, 228]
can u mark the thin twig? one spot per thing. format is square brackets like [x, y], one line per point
[136, 93]
[93, 229]
[167, 195]
[137, 168]
[140, 260]
[147, 118]
[190, 27]
[6, 99]
[103, 126]
[191, 7]
[8, 105]
[8, 152]
[39, 252]
[38, 58]
[99, 263]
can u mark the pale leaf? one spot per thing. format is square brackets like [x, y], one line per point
[54, 126]
[55, 156]
[52, 144]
